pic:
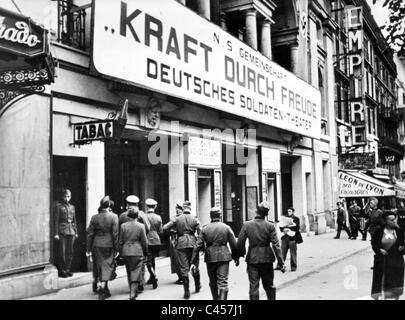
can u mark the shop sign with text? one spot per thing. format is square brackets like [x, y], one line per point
[204, 152]
[193, 59]
[93, 131]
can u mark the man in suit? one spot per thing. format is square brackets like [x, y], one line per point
[341, 220]
[186, 227]
[289, 241]
[155, 222]
[260, 257]
[214, 239]
[65, 232]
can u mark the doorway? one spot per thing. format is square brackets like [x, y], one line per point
[286, 183]
[204, 195]
[71, 173]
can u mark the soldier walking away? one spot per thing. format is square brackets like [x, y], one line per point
[102, 244]
[214, 238]
[155, 222]
[133, 246]
[186, 227]
[290, 238]
[65, 232]
[174, 258]
[354, 219]
[341, 220]
[260, 257]
[133, 205]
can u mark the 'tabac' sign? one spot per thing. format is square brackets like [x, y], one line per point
[93, 131]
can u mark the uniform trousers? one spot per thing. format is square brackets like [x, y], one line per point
[218, 274]
[153, 253]
[185, 256]
[259, 271]
[65, 252]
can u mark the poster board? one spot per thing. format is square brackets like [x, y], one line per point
[251, 202]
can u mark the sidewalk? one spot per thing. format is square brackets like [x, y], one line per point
[316, 253]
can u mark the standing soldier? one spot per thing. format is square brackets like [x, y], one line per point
[174, 258]
[102, 244]
[260, 256]
[341, 220]
[354, 219]
[375, 220]
[133, 205]
[154, 243]
[186, 226]
[65, 232]
[214, 238]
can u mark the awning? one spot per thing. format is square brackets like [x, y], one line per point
[381, 177]
[399, 188]
[357, 184]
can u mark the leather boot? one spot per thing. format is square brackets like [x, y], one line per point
[223, 295]
[95, 286]
[254, 296]
[197, 282]
[186, 285]
[214, 292]
[132, 293]
[101, 293]
[271, 294]
[107, 291]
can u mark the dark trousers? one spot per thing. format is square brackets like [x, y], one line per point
[218, 274]
[287, 244]
[259, 271]
[342, 225]
[185, 262]
[153, 253]
[65, 252]
[355, 229]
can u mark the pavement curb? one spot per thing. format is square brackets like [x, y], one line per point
[321, 267]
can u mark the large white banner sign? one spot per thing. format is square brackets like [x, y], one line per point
[164, 46]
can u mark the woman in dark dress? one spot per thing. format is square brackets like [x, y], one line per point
[389, 247]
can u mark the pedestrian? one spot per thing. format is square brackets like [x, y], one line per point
[290, 238]
[260, 256]
[354, 219]
[133, 204]
[155, 222]
[375, 220]
[102, 244]
[401, 216]
[389, 247]
[133, 246]
[214, 238]
[186, 226]
[341, 220]
[65, 232]
[174, 258]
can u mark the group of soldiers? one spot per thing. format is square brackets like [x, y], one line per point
[133, 239]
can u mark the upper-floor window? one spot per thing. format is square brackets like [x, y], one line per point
[74, 24]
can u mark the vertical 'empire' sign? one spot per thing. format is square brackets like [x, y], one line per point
[354, 18]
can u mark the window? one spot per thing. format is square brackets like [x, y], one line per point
[342, 100]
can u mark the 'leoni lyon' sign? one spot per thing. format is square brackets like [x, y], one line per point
[163, 46]
[354, 186]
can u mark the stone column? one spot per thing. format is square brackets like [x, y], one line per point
[251, 28]
[266, 39]
[204, 8]
[294, 58]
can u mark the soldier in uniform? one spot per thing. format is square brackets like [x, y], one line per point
[154, 242]
[375, 220]
[133, 205]
[66, 232]
[102, 244]
[341, 221]
[186, 226]
[174, 258]
[354, 219]
[260, 257]
[214, 238]
[133, 244]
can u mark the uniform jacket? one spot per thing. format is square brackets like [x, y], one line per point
[296, 229]
[103, 231]
[186, 226]
[214, 238]
[341, 215]
[132, 240]
[141, 218]
[260, 233]
[375, 220]
[155, 222]
[65, 219]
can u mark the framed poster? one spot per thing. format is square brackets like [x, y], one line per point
[251, 202]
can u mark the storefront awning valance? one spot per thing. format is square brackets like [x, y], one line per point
[357, 184]
[399, 188]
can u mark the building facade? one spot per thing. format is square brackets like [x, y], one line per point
[230, 105]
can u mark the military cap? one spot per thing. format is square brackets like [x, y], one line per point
[263, 208]
[150, 202]
[387, 213]
[215, 212]
[179, 204]
[132, 199]
[106, 202]
[104, 199]
[373, 199]
[187, 206]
